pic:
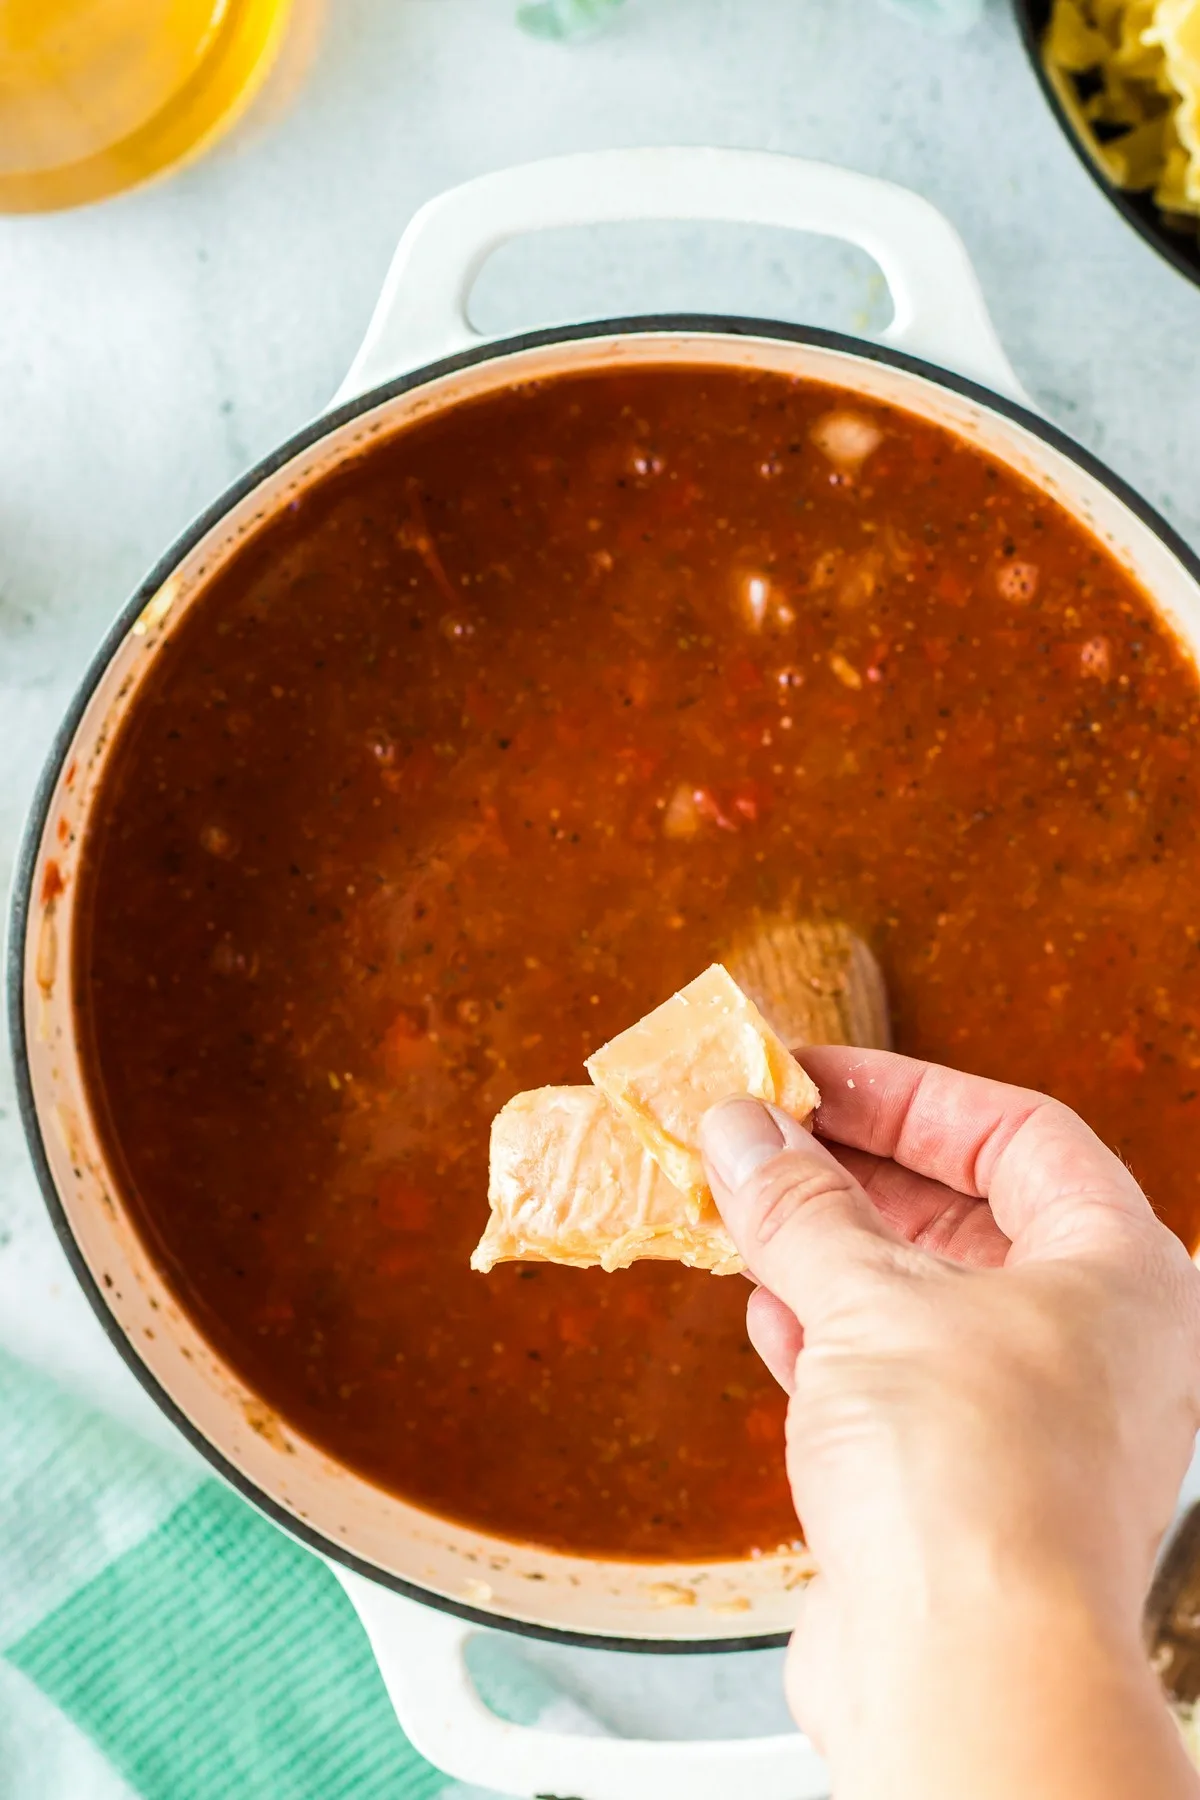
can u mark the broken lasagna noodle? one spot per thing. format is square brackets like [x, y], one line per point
[1128, 74]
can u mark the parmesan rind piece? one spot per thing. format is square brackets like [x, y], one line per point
[704, 1044]
[570, 1183]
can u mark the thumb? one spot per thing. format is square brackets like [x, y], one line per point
[801, 1221]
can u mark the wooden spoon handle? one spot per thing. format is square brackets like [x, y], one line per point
[1173, 1613]
[816, 982]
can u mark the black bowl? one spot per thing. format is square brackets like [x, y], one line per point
[1180, 248]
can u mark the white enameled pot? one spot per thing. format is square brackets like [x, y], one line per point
[422, 1585]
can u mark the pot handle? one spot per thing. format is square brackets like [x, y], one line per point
[420, 1653]
[939, 309]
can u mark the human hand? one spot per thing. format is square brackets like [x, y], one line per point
[992, 1348]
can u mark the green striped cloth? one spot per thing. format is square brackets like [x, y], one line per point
[160, 1640]
[562, 20]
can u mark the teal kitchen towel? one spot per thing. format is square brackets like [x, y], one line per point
[159, 1640]
[565, 19]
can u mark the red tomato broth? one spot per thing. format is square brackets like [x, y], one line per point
[447, 779]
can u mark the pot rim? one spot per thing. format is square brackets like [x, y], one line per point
[21, 905]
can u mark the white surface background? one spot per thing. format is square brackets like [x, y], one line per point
[152, 347]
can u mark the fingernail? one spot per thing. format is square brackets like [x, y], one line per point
[737, 1137]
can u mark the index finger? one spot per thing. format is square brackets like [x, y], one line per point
[1029, 1156]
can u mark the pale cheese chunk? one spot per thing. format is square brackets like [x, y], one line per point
[570, 1183]
[704, 1044]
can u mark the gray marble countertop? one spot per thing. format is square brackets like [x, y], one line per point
[153, 347]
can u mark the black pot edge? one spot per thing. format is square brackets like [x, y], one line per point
[21, 907]
[1140, 215]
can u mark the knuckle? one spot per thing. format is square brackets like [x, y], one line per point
[789, 1185]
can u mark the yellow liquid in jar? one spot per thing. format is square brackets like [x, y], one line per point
[97, 95]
